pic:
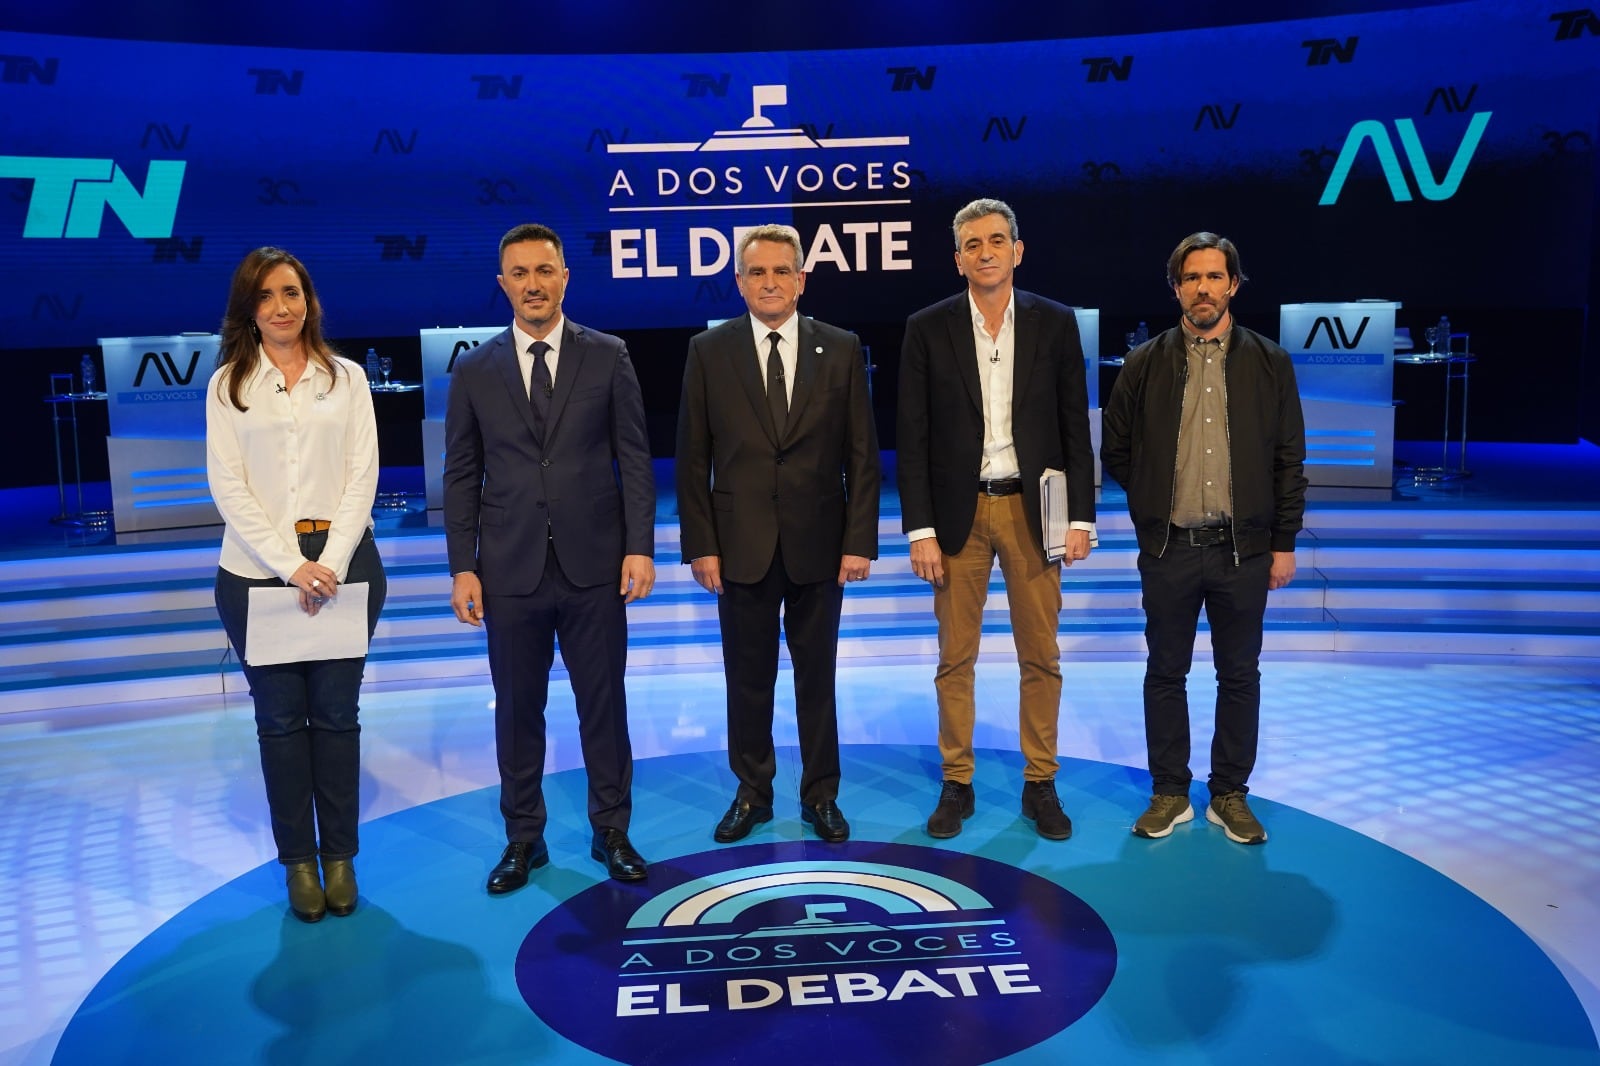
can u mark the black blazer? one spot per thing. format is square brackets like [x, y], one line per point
[589, 483]
[742, 489]
[940, 446]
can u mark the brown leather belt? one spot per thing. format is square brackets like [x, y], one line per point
[311, 525]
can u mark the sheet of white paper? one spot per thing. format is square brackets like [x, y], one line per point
[278, 631]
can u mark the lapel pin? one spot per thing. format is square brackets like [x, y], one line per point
[819, 349]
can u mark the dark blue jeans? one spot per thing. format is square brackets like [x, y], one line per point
[1175, 587]
[306, 720]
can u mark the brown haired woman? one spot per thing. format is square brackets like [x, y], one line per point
[292, 457]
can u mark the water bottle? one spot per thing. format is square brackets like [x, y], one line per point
[86, 372]
[1141, 335]
[1444, 332]
[372, 366]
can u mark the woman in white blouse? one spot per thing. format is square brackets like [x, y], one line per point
[292, 457]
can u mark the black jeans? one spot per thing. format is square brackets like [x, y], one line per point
[306, 719]
[1175, 586]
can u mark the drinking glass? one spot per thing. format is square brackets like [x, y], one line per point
[1432, 336]
[385, 365]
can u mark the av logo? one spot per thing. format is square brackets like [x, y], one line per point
[1213, 114]
[1002, 125]
[70, 196]
[1329, 324]
[1374, 131]
[775, 945]
[1451, 99]
[169, 141]
[461, 348]
[166, 368]
[56, 306]
[390, 140]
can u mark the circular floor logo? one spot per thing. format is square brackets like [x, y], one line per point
[770, 946]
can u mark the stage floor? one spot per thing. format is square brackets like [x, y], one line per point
[1430, 892]
[1335, 942]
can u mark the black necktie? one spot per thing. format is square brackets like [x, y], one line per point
[777, 399]
[541, 388]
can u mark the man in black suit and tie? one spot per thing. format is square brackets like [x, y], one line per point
[778, 477]
[992, 394]
[549, 514]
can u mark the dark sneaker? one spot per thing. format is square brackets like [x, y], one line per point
[1041, 805]
[956, 805]
[1163, 813]
[1230, 811]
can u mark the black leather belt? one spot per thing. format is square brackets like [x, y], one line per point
[1206, 537]
[1007, 486]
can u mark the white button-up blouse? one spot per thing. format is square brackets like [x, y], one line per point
[309, 452]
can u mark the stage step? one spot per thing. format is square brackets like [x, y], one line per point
[131, 623]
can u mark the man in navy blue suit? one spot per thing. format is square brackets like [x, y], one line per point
[549, 515]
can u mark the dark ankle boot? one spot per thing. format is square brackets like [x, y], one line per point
[339, 885]
[305, 891]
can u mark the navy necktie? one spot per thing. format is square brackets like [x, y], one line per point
[777, 399]
[541, 388]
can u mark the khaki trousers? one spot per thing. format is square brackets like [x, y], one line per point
[1033, 591]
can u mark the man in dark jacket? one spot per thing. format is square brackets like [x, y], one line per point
[1204, 431]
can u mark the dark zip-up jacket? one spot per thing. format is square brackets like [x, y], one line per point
[1266, 440]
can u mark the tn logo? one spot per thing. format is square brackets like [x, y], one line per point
[1374, 131]
[270, 81]
[1328, 325]
[166, 368]
[1102, 68]
[1324, 50]
[70, 196]
[1571, 24]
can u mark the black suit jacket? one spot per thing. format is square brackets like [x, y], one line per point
[940, 429]
[742, 488]
[589, 482]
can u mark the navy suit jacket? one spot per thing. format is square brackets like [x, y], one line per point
[589, 482]
[743, 487]
[940, 427]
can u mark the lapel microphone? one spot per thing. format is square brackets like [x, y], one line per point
[281, 388]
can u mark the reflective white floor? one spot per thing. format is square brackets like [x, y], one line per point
[1483, 768]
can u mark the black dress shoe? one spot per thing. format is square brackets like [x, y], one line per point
[1042, 806]
[611, 846]
[511, 873]
[827, 820]
[740, 819]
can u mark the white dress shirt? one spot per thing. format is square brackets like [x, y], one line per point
[306, 452]
[525, 340]
[788, 351]
[997, 363]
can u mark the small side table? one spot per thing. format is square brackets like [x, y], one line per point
[64, 412]
[389, 503]
[1457, 364]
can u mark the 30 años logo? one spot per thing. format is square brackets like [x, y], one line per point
[868, 950]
